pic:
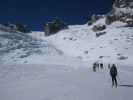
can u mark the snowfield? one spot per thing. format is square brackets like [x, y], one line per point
[59, 67]
[80, 41]
[60, 82]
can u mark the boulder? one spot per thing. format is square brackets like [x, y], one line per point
[100, 34]
[98, 28]
[129, 22]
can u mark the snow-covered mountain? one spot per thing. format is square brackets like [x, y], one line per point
[16, 47]
[79, 41]
[60, 66]
[123, 8]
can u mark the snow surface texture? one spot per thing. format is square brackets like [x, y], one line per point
[60, 82]
[81, 42]
[59, 67]
[17, 47]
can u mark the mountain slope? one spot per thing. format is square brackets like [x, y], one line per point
[60, 82]
[17, 47]
[80, 41]
[60, 67]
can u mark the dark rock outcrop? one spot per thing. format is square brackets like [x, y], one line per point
[54, 27]
[123, 3]
[98, 28]
[100, 34]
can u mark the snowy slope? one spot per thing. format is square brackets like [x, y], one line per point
[60, 82]
[81, 42]
[17, 47]
[59, 67]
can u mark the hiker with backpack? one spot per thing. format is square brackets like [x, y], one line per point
[113, 74]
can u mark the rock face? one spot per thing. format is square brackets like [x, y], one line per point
[121, 7]
[8, 27]
[122, 11]
[54, 27]
[123, 3]
[14, 28]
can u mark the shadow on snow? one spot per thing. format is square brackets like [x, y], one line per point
[125, 85]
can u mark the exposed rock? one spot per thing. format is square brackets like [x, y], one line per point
[110, 19]
[98, 28]
[123, 3]
[129, 22]
[8, 27]
[54, 26]
[122, 10]
[22, 28]
[122, 58]
[14, 28]
[94, 18]
[86, 52]
[100, 34]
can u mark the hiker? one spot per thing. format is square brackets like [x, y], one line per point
[94, 67]
[113, 74]
[101, 65]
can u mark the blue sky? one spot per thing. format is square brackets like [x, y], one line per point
[37, 12]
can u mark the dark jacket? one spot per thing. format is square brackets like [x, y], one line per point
[113, 71]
